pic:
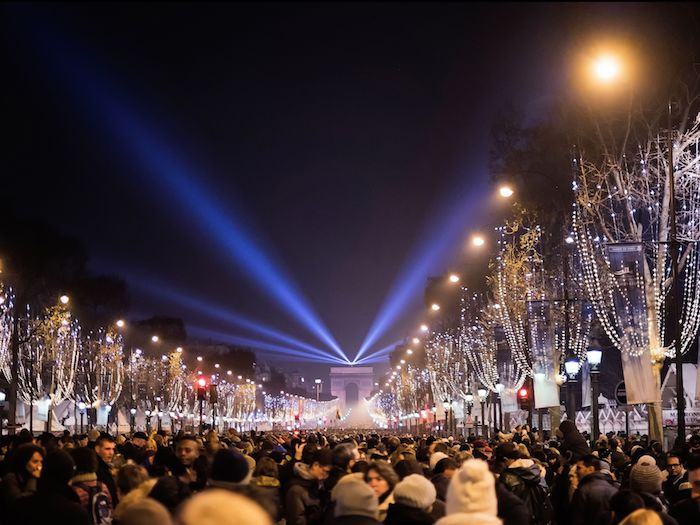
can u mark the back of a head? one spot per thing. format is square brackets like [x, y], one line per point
[85, 460]
[146, 512]
[58, 469]
[642, 517]
[353, 497]
[222, 507]
[231, 466]
[266, 467]
[342, 455]
[406, 467]
[130, 476]
[472, 489]
[623, 503]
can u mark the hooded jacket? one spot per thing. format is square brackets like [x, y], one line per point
[572, 442]
[524, 479]
[303, 501]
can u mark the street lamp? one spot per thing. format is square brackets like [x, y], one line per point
[64, 299]
[148, 421]
[478, 241]
[572, 367]
[454, 278]
[500, 387]
[595, 356]
[482, 398]
[133, 419]
[434, 307]
[505, 191]
[81, 407]
[606, 68]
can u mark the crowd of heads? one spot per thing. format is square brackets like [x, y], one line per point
[353, 477]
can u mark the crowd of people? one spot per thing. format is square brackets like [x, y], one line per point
[353, 478]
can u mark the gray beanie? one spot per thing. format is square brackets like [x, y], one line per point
[415, 491]
[353, 497]
[645, 476]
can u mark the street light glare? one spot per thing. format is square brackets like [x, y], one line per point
[416, 340]
[454, 278]
[435, 307]
[155, 338]
[424, 328]
[606, 68]
[64, 299]
[478, 241]
[505, 191]
[120, 323]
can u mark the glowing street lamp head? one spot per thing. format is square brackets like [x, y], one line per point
[409, 351]
[179, 349]
[200, 358]
[120, 323]
[64, 299]
[505, 191]
[569, 239]
[155, 338]
[424, 328]
[434, 307]
[454, 278]
[606, 68]
[478, 241]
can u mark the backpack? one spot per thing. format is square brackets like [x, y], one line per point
[99, 508]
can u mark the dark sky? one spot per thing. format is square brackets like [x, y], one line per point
[338, 135]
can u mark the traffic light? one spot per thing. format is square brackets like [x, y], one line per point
[524, 399]
[201, 389]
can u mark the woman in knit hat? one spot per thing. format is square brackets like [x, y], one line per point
[413, 500]
[471, 496]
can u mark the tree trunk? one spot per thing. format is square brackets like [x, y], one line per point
[12, 397]
[656, 431]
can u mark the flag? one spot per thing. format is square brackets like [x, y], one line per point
[337, 413]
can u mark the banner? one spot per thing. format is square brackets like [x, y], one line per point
[543, 352]
[629, 298]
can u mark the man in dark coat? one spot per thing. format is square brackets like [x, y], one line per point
[104, 448]
[687, 511]
[305, 501]
[676, 477]
[591, 501]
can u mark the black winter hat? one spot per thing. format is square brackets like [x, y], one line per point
[229, 465]
[57, 471]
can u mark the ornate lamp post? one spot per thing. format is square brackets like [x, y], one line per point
[133, 419]
[81, 407]
[572, 367]
[482, 398]
[595, 356]
[148, 421]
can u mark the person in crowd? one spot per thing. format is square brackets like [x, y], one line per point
[414, 497]
[354, 502]
[267, 484]
[129, 477]
[591, 501]
[471, 496]
[642, 517]
[677, 475]
[573, 444]
[623, 503]
[105, 448]
[54, 499]
[646, 479]
[687, 511]
[222, 507]
[22, 478]
[191, 468]
[305, 500]
[442, 474]
[344, 457]
[133, 449]
[382, 479]
[94, 495]
[146, 512]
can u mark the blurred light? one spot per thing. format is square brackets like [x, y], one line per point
[179, 349]
[416, 340]
[229, 372]
[505, 191]
[216, 365]
[202, 382]
[409, 351]
[569, 239]
[120, 323]
[424, 328]
[155, 338]
[64, 299]
[199, 358]
[434, 307]
[478, 240]
[606, 68]
[454, 278]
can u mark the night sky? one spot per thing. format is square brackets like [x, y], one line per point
[350, 141]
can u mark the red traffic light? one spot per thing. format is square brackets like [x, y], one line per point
[201, 382]
[523, 392]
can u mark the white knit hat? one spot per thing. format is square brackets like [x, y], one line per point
[415, 491]
[472, 489]
[435, 457]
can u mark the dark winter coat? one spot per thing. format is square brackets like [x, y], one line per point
[671, 490]
[511, 508]
[572, 442]
[303, 500]
[524, 479]
[687, 511]
[356, 520]
[400, 514]
[104, 474]
[54, 506]
[591, 501]
[441, 483]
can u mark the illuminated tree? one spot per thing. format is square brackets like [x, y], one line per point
[101, 370]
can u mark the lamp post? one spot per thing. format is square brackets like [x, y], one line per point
[133, 419]
[500, 387]
[446, 425]
[468, 402]
[572, 367]
[148, 421]
[595, 356]
[482, 398]
[81, 407]
[318, 389]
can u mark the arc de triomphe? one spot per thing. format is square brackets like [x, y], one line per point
[350, 384]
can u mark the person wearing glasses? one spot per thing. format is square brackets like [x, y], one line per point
[677, 475]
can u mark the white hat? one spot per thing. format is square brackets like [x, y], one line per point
[415, 491]
[472, 489]
[435, 457]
